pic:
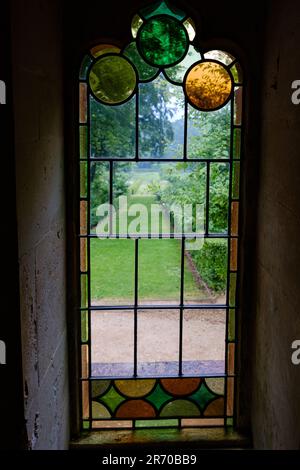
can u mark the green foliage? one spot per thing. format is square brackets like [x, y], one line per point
[211, 263]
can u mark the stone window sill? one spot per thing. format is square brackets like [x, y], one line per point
[217, 438]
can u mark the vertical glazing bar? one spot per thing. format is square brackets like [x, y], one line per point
[207, 198]
[136, 274]
[185, 129]
[111, 195]
[137, 107]
[228, 249]
[181, 304]
[89, 252]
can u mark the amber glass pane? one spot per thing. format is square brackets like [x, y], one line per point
[231, 325]
[84, 326]
[83, 141]
[83, 254]
[83, 179]
[234, 218]
[208, 85]
[84, 361]
[83, 217]
[233, 254]
[82, 103]
[190, 27]
[237, 143]
[231, 349]
[221, 56]
[230, 395]
[215, 408]
[136, 23]
[84, 290]
[163, 41]
[236, 180]
[112, 79]
[85, 400]
[101, 49]
[136, 409]
[238, 105]
[180, 387]
[232, 289]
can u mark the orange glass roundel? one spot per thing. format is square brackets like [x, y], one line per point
[208, 85]
[112, 79]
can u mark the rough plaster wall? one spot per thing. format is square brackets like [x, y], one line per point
[276, 385]
[38, 103]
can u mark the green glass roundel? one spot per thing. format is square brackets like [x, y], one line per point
[112, 79]
[162, 41]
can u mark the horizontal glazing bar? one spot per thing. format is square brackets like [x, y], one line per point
[176, 236]
[158, 160]
[142, 377]
[159, 307]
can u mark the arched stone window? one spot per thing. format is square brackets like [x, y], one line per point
[160, 132]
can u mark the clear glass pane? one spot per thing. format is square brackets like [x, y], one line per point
[113, 129]
[159, 198]
[159, 271]
[112, 343]
[218, 197]
[208, 134]
[204, 342]
[161, 119]
[158, 340]
[221, 56]
[177, 72]
[206, 272]
[99, 174]
[112, 272]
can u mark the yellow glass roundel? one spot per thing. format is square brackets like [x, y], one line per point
[208, 85]
[112, 79]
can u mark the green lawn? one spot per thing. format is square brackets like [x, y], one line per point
[112, 263]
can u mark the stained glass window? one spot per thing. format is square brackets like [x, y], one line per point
[160, 154]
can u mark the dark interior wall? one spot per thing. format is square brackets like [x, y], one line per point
[276, 384]
[37, 59]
